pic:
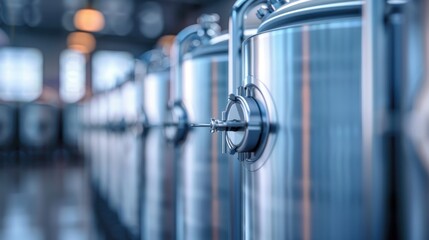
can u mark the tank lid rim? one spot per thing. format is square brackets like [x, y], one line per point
[308, 9]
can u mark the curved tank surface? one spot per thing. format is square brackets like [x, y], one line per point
[131, 158]
[158, 170]
[311, 177]
[114, 178]
[205, 186]
[200, 77]
[415, 167]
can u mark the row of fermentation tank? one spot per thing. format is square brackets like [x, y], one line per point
[312, 125]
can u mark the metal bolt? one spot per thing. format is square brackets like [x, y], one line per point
[241, 91]
[262, 12]
[208, 18]
[232, 151]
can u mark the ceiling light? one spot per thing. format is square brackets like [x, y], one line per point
[81, 42]
[89, 20]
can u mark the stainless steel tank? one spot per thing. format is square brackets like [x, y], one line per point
[101, 134]
[114, 177]
[131, 156]
[200, 73]
[8, 126]
[415, 104]
[158, 169]
[306, 120]
[39, 125]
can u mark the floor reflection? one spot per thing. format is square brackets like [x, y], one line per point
[46, 201]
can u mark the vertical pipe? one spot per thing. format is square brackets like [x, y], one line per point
[177, 52]
[372, 72]
[235, 77]
[236, 32]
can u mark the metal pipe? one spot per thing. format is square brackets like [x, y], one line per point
[373, 70]
[236, 31]
[178, 50]
[141, 71]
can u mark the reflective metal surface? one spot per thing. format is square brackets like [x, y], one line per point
[131, 157]
[131, 182]
[114, 177]
[158, 211]
[415, 105]
[312, 181]
[205, 187]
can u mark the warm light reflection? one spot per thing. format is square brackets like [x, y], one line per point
[166, 42]
[81, 42]
[89, 20]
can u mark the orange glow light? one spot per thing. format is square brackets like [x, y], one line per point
[89, 20]
[166, 42]
[81, 42]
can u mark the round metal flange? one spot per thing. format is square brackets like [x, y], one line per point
[257, 158]
[249, 142]
[176, 123]
[243, 109]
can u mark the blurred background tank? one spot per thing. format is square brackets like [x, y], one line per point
[131, 157]
[114, 176]
[159, 172]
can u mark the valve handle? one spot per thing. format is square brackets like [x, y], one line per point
[221, 125]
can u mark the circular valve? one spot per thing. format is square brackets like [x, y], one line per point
[244, 124]
[176, 123]
[243, 109]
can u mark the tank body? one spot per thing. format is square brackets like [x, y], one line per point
[415, 96]
[204, 188]
[102, 148]
[114, 177]
[312, 181]
[158, 197]
[131, 158]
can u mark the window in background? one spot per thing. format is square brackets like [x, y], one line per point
[72, 76]
[21, 74]
[110, 68]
